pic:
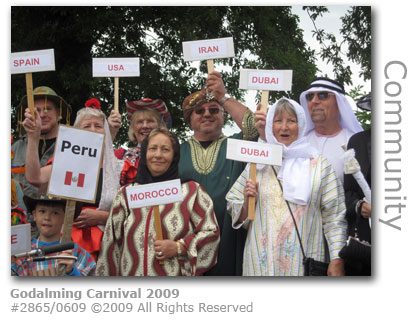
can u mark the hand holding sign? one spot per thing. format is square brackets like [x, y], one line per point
[208, 50]
[155, 194]
[253, 152]
[265, 80]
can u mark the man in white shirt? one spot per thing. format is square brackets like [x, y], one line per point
[330, 120]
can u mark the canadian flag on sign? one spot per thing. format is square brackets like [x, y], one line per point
[69, 177]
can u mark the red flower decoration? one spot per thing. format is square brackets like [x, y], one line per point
[93, 103]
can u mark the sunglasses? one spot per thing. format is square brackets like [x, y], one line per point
[321, 95]
[212, 111]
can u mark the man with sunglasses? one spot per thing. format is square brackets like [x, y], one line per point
[330, 120]
[203, 158]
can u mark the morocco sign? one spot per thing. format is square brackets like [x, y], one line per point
[154, 194]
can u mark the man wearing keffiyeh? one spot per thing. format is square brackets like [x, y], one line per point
[330, 120]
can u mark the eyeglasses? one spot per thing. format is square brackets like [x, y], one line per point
[324, 95]
[212, 111]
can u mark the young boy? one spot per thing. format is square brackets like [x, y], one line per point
[48, 215]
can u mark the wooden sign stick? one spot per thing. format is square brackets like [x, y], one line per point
[253, 169]
[252, 200]
[264, 100]
[67, 230]
[30, 93]
[158, 226]
[210, 66]
[116, 93]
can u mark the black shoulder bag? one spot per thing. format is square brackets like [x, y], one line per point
[311, 267]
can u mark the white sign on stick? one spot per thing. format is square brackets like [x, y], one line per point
[268, 80]
[254, 152]
[32, 61]
[77, 158]
[208, 49]
[154, 194]
[20, 238]
[115, 67]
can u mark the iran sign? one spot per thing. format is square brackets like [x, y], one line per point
[208, 49]
[76, 164]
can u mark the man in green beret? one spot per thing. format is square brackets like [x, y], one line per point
[52, 109]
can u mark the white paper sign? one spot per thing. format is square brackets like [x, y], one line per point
[76, 164]
[154, 194]
[32, 61]
[254, 152]
[268, 80]
[115, 67]
[20, 238]
[208, 49]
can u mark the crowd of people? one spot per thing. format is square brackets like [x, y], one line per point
[305, 207]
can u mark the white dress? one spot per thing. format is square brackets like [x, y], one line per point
[272, 247]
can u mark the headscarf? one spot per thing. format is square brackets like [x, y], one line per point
[295, 169]
[346, 104]
[144, 176]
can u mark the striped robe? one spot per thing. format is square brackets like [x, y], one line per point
[272, 246]
[127, 246]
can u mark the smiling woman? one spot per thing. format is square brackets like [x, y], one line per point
[190, 230]
[159, 154]
[311, 196]
[90, 217]
[144, 116]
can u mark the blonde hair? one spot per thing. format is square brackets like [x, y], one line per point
[88, 113]
[149, 113]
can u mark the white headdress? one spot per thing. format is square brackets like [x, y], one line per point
[346, 104]
[295, 170]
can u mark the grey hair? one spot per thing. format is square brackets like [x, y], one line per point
[285, 106]
[88, 113]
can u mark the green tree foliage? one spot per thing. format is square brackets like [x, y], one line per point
[264, 38]
[356, 37]
[356, 33]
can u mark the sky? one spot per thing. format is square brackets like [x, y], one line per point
[331, 22]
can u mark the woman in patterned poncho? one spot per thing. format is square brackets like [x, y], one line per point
[189, 228]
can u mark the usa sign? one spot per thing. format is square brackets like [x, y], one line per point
[76, 164]
[115, 67]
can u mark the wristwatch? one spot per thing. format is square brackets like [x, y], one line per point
[179, 251]
[224, 99]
